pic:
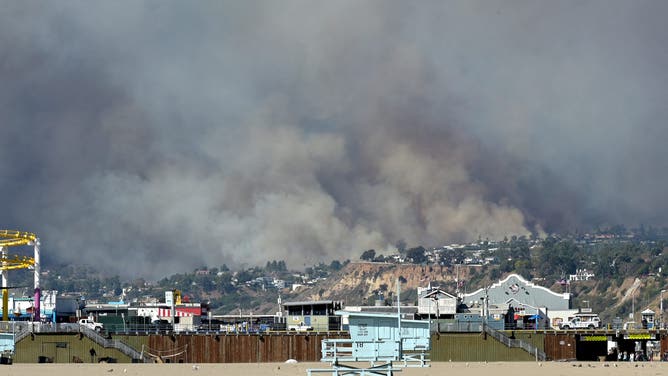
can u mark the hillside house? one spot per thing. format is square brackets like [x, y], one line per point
[581, 275]
[434, 302]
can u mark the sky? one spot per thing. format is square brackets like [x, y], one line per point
[156, 137]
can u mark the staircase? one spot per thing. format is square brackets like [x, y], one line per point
[24, 329]
[111, 343]
[510, 342]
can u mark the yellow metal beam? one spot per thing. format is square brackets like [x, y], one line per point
[13, 262]
[10, 238]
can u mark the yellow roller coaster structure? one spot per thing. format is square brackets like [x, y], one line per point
[12, 238]
[9, 238]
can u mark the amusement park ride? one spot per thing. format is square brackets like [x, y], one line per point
[13, 238]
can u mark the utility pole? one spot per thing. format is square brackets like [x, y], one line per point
[661, 309]
[401, 341]
[633, 306]
[486, 306]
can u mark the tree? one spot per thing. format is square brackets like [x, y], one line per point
[275, 266]
[557, 257]
[368, 255]
[417, 254]
[523, 268]
[281, 266]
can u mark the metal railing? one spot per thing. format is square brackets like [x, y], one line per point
[110, 343]
[512, 342]
[460, 327]
[22, 329]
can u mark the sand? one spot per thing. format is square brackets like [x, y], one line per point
[281, 369]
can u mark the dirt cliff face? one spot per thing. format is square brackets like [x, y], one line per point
[357, 281]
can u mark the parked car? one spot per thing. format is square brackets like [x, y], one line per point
[91, 324]
[162, 326]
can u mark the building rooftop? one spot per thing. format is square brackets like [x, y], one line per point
[311, 302]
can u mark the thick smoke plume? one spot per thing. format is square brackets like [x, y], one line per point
[159, 136]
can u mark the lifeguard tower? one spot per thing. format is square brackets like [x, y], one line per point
[385, 340]
[648, 319]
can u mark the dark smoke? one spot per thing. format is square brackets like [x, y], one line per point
[158, 136]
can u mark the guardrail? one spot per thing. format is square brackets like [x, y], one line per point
[110, 343]
[510, 342]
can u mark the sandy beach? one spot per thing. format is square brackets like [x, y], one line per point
[282, 369]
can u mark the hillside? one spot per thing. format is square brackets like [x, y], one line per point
[359, 283]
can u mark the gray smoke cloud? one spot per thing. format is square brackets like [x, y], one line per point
[153, 137]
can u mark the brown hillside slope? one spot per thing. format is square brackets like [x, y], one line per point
[359, 280]
[357, 283]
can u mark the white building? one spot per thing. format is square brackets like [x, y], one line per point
[581, 275]
[434, 302]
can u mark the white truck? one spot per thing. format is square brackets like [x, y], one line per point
[91, 324]
[582, 321]
[300, 328]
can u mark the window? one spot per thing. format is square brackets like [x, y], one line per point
[320, 309]
[294, 310]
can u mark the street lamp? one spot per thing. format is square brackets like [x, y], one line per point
[483, 314]
[438, 323]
